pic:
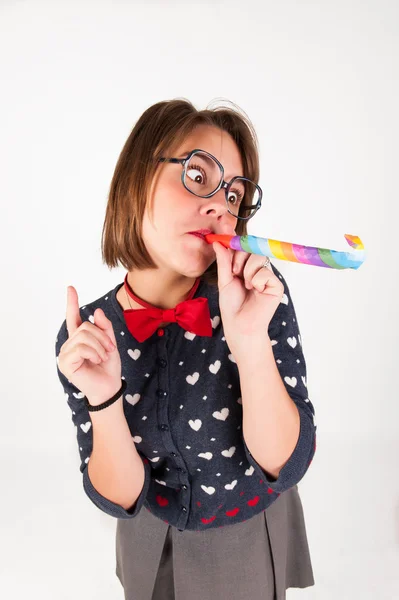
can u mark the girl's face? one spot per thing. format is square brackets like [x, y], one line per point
[176, 211]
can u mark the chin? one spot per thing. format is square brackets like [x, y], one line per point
[194, 271]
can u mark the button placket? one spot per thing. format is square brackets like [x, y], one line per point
[163, 425]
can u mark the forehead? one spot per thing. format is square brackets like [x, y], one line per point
[218, 143]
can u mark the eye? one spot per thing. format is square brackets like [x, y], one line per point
[201, 175]
[236, 194]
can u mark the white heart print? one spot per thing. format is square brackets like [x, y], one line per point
[132, 399]
[221, 415]
[215, 321]
[135, 354]
[209, 490]
[85, 426]
[214, 368]
[192, 379]
[292, 381]
[207, 455]
[196, 425]
[189, 336]
[231, 486]
[229, 453]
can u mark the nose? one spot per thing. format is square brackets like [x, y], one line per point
[216, 203]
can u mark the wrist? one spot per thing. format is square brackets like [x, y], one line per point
[114, 410]
[254, 350]
[96, 401]
[106, 395]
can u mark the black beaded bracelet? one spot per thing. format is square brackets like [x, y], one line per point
[90, 407]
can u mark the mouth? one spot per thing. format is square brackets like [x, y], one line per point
[201, 233]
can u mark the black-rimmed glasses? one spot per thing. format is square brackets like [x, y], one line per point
[202, 175]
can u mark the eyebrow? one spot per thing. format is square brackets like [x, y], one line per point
[185, 153]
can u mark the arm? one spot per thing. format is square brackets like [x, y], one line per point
[279, 432]
[115, 477]
[271, 420]
[115, 468]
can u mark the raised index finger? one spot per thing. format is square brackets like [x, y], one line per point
[73, 318]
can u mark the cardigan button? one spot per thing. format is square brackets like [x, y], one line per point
[164, 428]
[184, 487]
[161, 393]
[184, 509]
[161, 362]
[173, 454]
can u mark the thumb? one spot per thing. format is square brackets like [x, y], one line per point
[224, 258]
[102, 321]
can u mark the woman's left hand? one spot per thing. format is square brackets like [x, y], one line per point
[249, 295]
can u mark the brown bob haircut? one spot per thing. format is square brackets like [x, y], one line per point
[159, 132]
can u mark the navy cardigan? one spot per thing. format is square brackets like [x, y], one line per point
[184, 410]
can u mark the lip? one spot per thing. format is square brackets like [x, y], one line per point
[201, 236]
[202, 231]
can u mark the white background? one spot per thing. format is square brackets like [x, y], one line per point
[319, 80]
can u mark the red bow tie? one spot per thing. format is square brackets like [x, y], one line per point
[192, 315]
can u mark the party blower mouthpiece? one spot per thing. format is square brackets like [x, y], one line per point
[308, 255]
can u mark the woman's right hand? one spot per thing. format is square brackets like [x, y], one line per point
[86, 357]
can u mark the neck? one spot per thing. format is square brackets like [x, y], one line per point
[160, 290]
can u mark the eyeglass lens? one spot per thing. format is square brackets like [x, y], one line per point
[203, 176]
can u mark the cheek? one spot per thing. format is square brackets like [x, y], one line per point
[172, 197]
[180, 198]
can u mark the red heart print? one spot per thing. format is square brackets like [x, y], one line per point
[254, 501]
[232, 513]
[162, 501]
[270, 491]
[207, 521]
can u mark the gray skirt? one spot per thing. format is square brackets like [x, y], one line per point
[259, 558]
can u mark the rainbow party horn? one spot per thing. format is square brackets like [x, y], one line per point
[308, 255]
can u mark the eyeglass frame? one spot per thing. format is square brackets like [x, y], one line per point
[222, 184]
